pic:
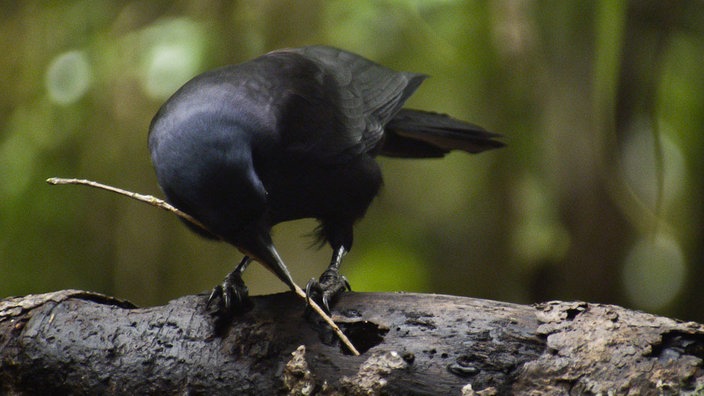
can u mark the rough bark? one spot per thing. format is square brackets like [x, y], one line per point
[77, 342]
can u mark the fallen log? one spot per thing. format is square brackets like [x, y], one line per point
[78, 342]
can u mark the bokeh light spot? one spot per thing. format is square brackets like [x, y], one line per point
[654, 272]
[68, 77]
[173, 53]
[642, 169]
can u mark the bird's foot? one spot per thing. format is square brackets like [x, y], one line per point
[326, 291]
[229, 298]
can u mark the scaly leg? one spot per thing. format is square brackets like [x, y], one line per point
[231, 297]
[331, 284]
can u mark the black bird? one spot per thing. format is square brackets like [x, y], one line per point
[290, 135]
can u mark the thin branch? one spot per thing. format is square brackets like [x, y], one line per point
[297, 289]
[160, 203]
[150, 199]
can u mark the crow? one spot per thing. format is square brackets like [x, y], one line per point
[291, 134]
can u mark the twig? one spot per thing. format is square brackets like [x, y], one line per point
[160, 203]
[297, 289]
[150, 199]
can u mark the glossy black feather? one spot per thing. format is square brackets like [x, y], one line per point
[420, 134]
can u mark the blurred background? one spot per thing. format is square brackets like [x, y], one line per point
[597, 197]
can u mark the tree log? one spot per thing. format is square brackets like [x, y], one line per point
[77, 342]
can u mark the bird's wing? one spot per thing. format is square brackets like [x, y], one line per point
[356, 97]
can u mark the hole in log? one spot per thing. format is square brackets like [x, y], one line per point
[364, 335]
[674, 344]
[573, 312]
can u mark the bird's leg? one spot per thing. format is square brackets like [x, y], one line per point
[331, 284]
[231, 297]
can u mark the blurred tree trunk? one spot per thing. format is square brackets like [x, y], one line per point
[650, 29]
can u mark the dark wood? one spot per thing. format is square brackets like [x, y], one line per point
[77, 342]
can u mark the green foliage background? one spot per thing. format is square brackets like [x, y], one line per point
[598, 196]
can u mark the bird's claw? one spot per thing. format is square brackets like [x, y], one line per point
[229, 298]
[328, 289]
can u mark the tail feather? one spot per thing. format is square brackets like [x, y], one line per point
[423, 134]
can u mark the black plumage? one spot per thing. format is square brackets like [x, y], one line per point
[289, 135]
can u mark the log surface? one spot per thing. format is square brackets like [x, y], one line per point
[77, 342]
